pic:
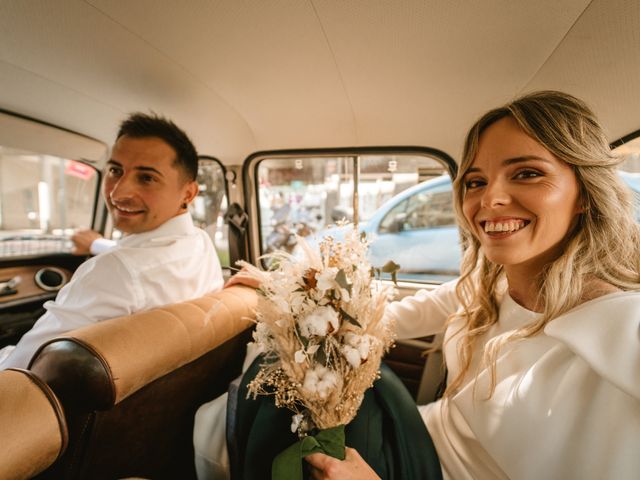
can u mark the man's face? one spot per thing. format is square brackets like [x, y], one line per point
[143, 188]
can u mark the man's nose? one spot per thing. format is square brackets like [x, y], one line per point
[495, 194]
[123, 189]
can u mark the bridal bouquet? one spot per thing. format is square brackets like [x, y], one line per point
[321, 329]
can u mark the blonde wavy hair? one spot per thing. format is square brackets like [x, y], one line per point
[604, 244]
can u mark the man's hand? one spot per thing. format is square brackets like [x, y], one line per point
[353, 467]
[82, 241]
[242, 278]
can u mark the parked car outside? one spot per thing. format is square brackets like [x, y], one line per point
[417, 230]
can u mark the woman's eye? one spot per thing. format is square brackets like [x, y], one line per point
[527, 174]
[474, 183]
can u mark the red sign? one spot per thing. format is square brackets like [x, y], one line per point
[80, 170]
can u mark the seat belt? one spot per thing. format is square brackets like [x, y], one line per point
[238, 221]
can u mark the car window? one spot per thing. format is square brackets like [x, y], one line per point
[210, 205]
[43, 199]
[629, 154]
[426, 209]
[395, 219]
[306, 196]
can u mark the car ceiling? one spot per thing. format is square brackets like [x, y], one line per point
[247, 75]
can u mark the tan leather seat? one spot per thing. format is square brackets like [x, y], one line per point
[131, 385]
[32, 425]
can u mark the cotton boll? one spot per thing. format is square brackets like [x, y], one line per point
[320, 322]
[320, 380]
[352, 355]
[326, 278]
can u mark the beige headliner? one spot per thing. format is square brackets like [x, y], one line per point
[242, 76]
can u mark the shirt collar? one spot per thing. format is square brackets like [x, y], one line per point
[178, 226]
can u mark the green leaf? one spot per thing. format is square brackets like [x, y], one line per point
[390, 267]
[350, 318]
[321, 354]
[341, 279]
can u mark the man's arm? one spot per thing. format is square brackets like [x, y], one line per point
[90, 242]
[99, 290]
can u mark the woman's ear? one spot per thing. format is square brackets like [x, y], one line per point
[582, 203]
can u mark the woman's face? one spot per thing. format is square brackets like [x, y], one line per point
[520, 200]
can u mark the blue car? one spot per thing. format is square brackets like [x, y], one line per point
[417, 230]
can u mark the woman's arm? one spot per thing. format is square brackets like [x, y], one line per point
[425, 312]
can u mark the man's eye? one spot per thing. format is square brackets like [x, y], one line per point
[114, 171]
[146, 178]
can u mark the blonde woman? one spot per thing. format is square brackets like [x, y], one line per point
[542, 329]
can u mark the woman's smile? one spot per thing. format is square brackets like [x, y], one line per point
[503, 227]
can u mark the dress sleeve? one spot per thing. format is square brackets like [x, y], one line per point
[425, 312]
[102, 288]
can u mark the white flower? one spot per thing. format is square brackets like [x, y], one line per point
[356, 348]
[295, 422]
[320, 380]
[300, 355]
[319, 321]
[352, 355]
[344, 295]
[262, 336]
[282, 304]
[326, 279]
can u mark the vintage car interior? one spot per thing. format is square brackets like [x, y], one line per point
[293, 106]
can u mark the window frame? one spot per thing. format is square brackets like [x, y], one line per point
[252, 163]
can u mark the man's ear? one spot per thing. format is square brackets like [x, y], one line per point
[191, 190]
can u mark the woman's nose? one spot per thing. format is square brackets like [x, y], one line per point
[495, 194]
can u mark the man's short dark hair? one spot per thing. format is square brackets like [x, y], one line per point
[142, 125]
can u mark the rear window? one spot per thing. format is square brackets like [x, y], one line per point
[405, 207]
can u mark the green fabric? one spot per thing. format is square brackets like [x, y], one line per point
[288, 464]
[388, 432]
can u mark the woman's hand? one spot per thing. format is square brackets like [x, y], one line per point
[353, 467]
[242, 278]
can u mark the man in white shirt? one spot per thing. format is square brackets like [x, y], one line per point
[162, 258]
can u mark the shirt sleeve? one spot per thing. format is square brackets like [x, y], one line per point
[101, 245]
[424, 313]
[102, 288]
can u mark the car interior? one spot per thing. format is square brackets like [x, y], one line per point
[296, 108]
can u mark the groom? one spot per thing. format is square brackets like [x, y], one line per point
[149, 181]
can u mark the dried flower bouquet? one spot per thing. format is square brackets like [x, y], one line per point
[322, 331]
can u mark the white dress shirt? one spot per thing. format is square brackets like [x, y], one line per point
[566, 403]
[173, 263]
